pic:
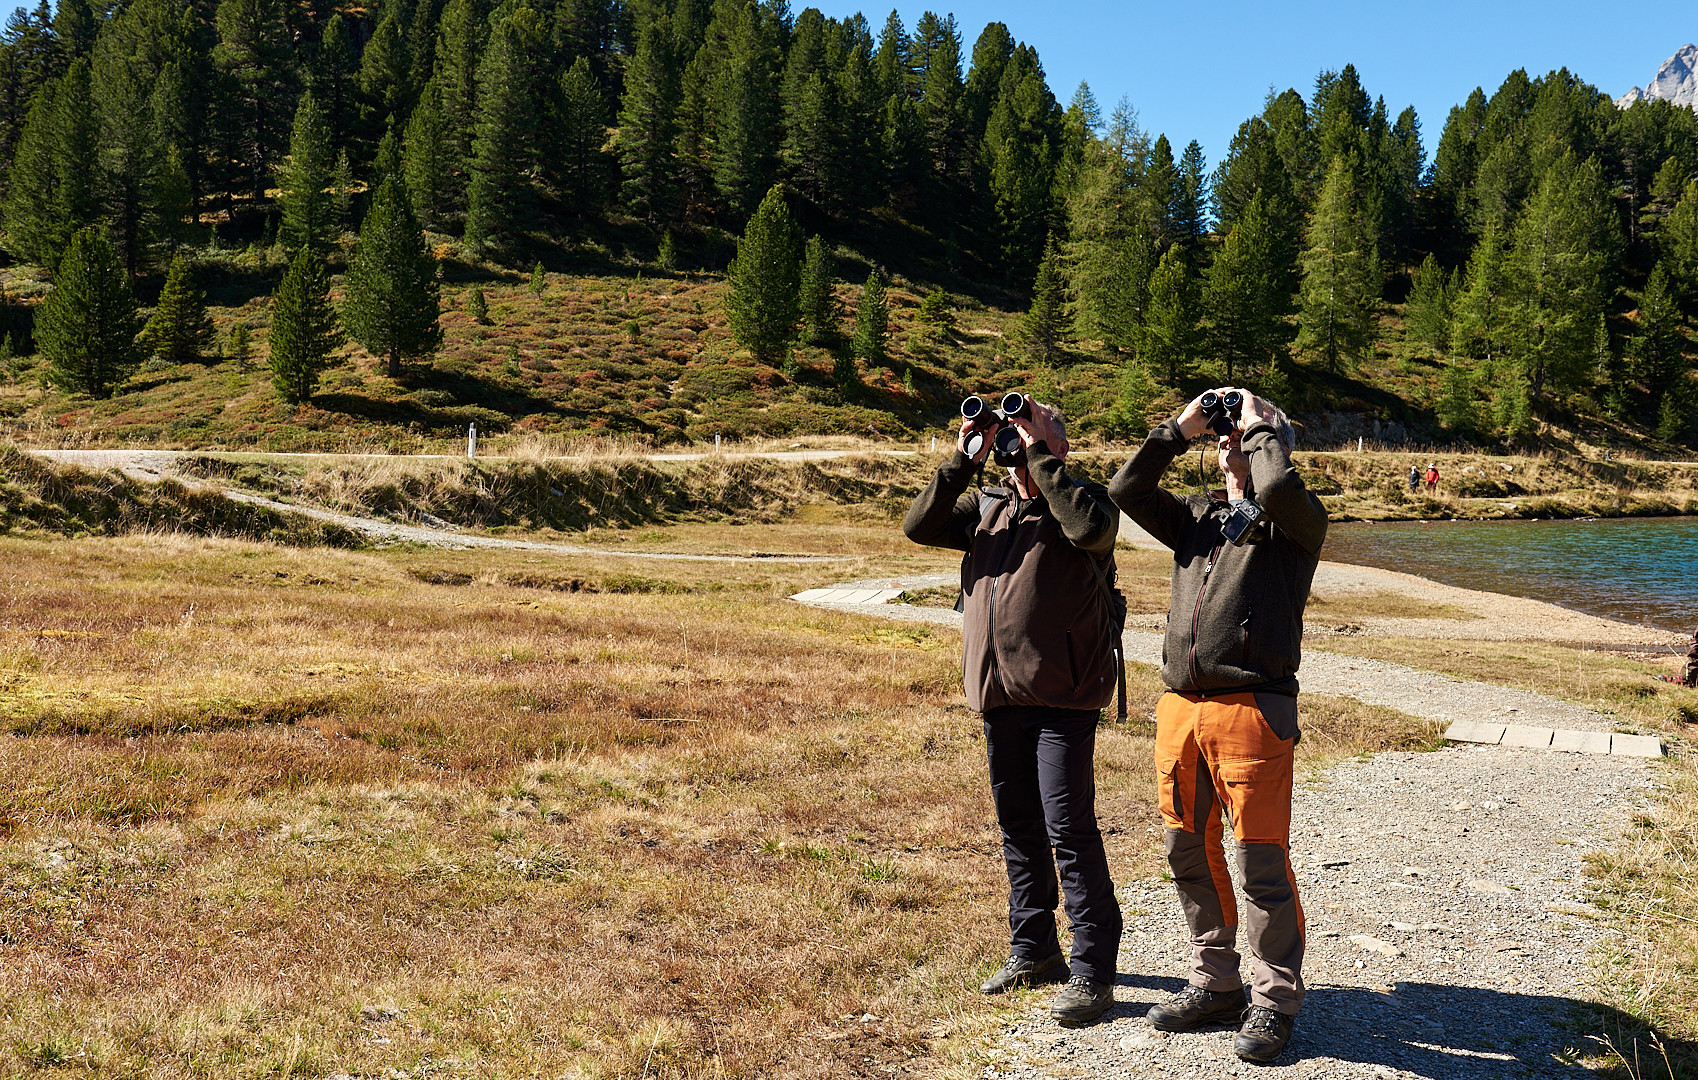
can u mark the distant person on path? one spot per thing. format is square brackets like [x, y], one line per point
[1432, 478]
[1690, 675]
[1227, 725]
[1414, 479]
[1038, 662]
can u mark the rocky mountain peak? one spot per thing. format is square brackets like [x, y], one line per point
[1676, 81]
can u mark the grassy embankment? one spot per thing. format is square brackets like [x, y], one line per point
[290, 811]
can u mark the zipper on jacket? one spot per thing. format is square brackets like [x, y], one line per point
[990, 640]
[1196, 616]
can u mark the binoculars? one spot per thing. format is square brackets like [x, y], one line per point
[1221, 410]
[1006, 448]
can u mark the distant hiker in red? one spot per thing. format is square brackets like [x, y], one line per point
[1432, 478]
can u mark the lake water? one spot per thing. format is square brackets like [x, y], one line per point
[1637, 570]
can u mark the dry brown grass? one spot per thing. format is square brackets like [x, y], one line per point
[292, 812]
[1380, 605]
[1644, 885]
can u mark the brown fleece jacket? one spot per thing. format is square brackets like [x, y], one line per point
[1236, 618]
[1036, 622]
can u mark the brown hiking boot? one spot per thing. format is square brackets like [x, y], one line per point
[1264, 1034]
[1082, 1000]
[1194, 1007]
[1022, 972]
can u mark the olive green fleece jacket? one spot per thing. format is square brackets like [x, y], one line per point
[1236, 618]
[1037, 628]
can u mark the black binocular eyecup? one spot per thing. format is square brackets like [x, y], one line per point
[1221, 410]
[1015, 403]
[974, 407]
[1007, 449]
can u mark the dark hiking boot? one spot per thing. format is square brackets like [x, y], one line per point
[1022, 972]
[1264, 1034]
[1194, 1007]
[1081, 1000]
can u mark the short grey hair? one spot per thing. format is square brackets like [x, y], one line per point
[1284, 430]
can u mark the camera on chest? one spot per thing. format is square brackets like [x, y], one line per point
[1241, 520]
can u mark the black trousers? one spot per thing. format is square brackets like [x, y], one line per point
[1043, 783]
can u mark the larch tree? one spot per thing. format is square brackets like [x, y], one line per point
[1244, 300]
[1657, 353]
[179, 330]
[1045, 324]
[1341, 275]
[86, 328]
[1171, 336]
[765, 279]
[391, 306]
[304, 328]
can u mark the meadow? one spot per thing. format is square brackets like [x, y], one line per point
[303, 811]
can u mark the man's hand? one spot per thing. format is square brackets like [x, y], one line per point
[1192, 422]
[1253, 410]
[1040, 427]
[970, 426]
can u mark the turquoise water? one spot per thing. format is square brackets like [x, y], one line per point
[1637, 570]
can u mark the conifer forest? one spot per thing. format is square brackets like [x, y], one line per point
[410, 212]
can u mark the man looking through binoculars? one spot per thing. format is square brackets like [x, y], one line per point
[1038, 640]
[1227, 725]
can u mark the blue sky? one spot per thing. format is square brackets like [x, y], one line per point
[1197, 70]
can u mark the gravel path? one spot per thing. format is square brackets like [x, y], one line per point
[1448, 934]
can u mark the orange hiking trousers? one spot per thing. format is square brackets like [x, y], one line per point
[1233, 753]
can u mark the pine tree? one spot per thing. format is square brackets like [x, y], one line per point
[539, 281]
[580, 167]
[132, 152]
[240, 349]
[478, 307]
[747, 121]
[304, 329]
[1244, 300]
[1045, 324]
[86, 328]
[1018, 157]
[765, 278]
[179, 330]
[426, 160]
[504, 152]
[385, 71]
[815, 298]
[1171, 335]
[647, 124]
[460, 43]
[1341, 275]
[872, 322]
[392, 304]
[1657, 353]
[335, 73]
[51, 189]
[256, 60]
[307, 201]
